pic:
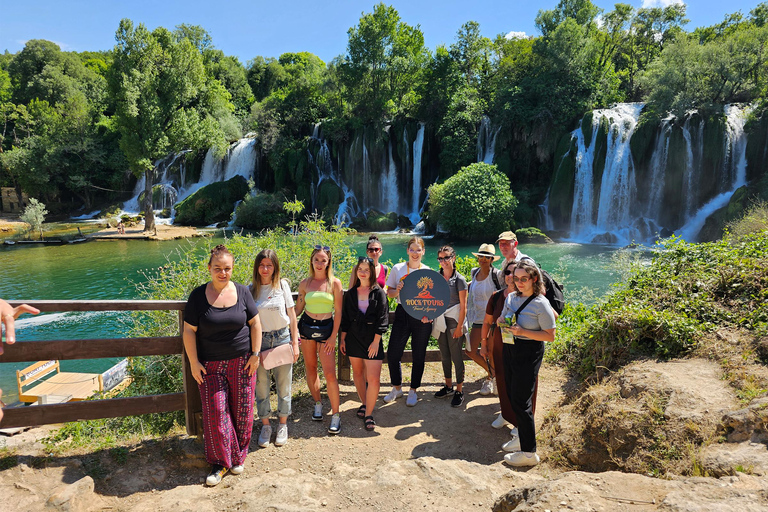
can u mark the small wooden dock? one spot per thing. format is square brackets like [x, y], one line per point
[75, 386]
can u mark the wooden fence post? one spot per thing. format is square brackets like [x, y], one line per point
[193, 406]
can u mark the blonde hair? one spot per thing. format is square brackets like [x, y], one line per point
[328, 269]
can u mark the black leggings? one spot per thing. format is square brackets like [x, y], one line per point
[403, 327]
[521, 368]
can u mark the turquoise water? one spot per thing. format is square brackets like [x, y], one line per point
[110, 269]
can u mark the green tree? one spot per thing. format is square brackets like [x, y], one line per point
[164, 100]
[34, 215]
[474, 203]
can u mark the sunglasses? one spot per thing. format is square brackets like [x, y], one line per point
[485, 257]
[374, 249]
[323, 248]
[444, 258]
[521, 279]
[363, 258]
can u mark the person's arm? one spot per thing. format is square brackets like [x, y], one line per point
[393, 286]
[459, 331]
[293, 324]
[300, 299]
[253, 361]
[382, 321]
[346, 315]
[338, 295]
[543, 335]
[190, 347]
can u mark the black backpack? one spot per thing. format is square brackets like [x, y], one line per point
[554, 290]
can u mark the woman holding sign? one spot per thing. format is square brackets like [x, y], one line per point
[405, 327]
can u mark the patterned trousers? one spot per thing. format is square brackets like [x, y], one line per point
[227, 396]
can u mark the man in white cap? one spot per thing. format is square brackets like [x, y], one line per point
[508, 246]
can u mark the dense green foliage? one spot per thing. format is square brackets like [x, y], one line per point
[77, 124]
[212, 203]
[34, 215]
[474, 202]
[261, 211]
[663, 309]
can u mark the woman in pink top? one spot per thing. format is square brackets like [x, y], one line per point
[374, 251]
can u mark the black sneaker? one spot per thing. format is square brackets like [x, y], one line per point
[458, 399]
[443, 392]
[215, 476]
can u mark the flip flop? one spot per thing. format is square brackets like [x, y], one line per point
[361, 412]
[369, 423]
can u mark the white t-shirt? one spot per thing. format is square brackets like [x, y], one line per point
[398, 273]
[272, 304]
[477, 301]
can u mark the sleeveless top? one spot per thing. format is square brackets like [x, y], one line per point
[382, 277]
[319, 303]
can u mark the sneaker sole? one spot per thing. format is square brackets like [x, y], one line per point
[281, 444]
[334, 432]
[317, 418]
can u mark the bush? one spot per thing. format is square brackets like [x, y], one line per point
[754, 220]
[212, 203]
[474, 203]
[34, 215]
[261, 211]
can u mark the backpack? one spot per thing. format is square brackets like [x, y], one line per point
[554, 290]
[494, 276]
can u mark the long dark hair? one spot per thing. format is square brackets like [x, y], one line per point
[272, 256]
[451, 254]
[372, 279]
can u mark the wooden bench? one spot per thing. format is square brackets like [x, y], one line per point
[77, 386]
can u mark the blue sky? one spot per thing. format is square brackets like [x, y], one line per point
[248, 29]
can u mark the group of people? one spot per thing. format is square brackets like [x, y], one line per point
[238, 338]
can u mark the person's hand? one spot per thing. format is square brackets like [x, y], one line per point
[343, 347]
[399, 287]
[8, 315]
[483, 350]
[516, 329]
[458, 332]
[425, 320]
[296, 351]
[198, 370]
[373, 349]
[330, 344]
[253, 364]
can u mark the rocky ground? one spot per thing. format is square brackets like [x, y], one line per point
[163, 232]
[429, 457]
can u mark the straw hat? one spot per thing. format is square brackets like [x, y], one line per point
[487, 250]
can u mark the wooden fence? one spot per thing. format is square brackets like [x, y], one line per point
[188, 400]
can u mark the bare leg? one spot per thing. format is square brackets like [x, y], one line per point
[309, 349]
[373, 378]
[358, 376]
[328, 362]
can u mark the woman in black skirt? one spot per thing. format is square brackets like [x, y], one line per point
[364, 318]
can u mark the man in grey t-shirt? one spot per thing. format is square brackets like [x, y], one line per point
[508, 247]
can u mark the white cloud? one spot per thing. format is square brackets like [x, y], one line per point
[661, 3]
[515, 35]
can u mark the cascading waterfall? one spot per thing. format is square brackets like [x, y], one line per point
[486, 141]
[388, 183]
[659, 168]
[581, 209]
[418, 145]
[734, 170]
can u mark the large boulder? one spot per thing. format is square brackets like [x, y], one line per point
[212, 203]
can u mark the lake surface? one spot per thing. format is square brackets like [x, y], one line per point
[110, 269]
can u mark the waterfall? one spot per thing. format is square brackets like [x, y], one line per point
[388, 183]
[163, 180]
[418, 145]
[734, 170]
[659, 168]
[486, 141]
[581, 209]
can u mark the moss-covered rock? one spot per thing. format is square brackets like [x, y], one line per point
[532, 236]
[561, 190]
[715, 224]
[378, 221]
[212, 203]
[329, 196]
[261, 211]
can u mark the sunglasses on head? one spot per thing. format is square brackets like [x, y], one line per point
[363, 258]
[323, 248]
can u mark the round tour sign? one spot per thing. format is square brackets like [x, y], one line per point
[425, 293]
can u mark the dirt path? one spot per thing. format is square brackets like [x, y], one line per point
[431, 455]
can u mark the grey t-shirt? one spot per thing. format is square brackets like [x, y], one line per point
[538, 315]
[456, 283]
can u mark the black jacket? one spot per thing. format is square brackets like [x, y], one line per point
[365, 326]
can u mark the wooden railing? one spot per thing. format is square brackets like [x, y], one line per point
[188, 400]
[23, 351]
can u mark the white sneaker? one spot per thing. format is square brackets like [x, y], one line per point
[237, 470]
[393, 395]
[317, 413]
[412, 398]
[522, 459]
[282, 435]
[499, 421]
[513, 445]
[265, 435]
[494, 387]
[335, 426]
[487, 387]
[514, 432]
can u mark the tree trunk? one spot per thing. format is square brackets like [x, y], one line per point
[149, 214]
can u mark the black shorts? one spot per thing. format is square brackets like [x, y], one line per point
[315, 330]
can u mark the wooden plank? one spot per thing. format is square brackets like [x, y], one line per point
[79, 385]
[48, 306]
[91, 410]
[193, 404]
[90, 349]
[432, 356]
